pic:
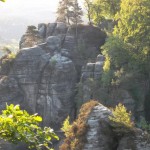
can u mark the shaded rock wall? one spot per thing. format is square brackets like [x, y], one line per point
[92, 87]
[43, 78]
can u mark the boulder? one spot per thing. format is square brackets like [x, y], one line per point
[50, 29]
[101, 135]
[54, 43]
[42, 29]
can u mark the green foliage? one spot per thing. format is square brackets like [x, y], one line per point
[104, 9]
[77, 13]
[18, 126]
[66, 126]
[11, 56]
[113, 50]
[75, 138]
[89, 9]
[121, 117]
[118, 60]
[69, 10]
[8, 59]
[127, 50]
[63, 11]
[96, 14]
[143, 124]
[133, 25]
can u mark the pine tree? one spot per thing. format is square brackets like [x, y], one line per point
[76, 16]
[88, 7]
[64, 11]
[77, 13]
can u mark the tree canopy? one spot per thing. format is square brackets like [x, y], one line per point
[69, 11]
[134, 22]
[18, 126]
[127, 50]
[104, 9]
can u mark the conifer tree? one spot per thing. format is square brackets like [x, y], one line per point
[88, 7]
[64, 11]
[76, 17]
[77, 13]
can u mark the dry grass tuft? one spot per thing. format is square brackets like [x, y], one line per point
[76, 138]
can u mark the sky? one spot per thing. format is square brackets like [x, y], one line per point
[16, 15]
[28, 7]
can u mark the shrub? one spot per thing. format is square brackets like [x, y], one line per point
[11, 56]
[121, 118]
[66, 126]
[18, 126]
[75, 136]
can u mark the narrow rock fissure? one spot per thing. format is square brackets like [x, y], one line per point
[115, 143]
[51, 34]
[39, 83]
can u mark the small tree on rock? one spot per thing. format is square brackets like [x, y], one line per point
[88, 7]
[77, 13]
[64, 11]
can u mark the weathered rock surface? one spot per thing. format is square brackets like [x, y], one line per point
[91, 73]
[43, 76]
[100, 135]
[92, 88]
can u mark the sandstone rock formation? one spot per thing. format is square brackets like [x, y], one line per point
[91, 73]
[43, 76]
[92, 88]
[100, 135]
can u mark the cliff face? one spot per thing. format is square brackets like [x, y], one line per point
[43, 78]
[100, 135]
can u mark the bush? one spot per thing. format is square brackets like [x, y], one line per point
[66, 126]
[121, 119]
[11, 56]
[18, 126]
[75, 136]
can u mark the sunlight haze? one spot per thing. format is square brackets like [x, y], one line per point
[20, 7]
[16, 15]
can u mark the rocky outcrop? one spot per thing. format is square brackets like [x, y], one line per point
[91, 87]
[43, 76]
[30, 38]
[100, 135]
[91, 74]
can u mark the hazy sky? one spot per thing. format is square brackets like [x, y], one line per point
[16, 15]
[28, 7]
